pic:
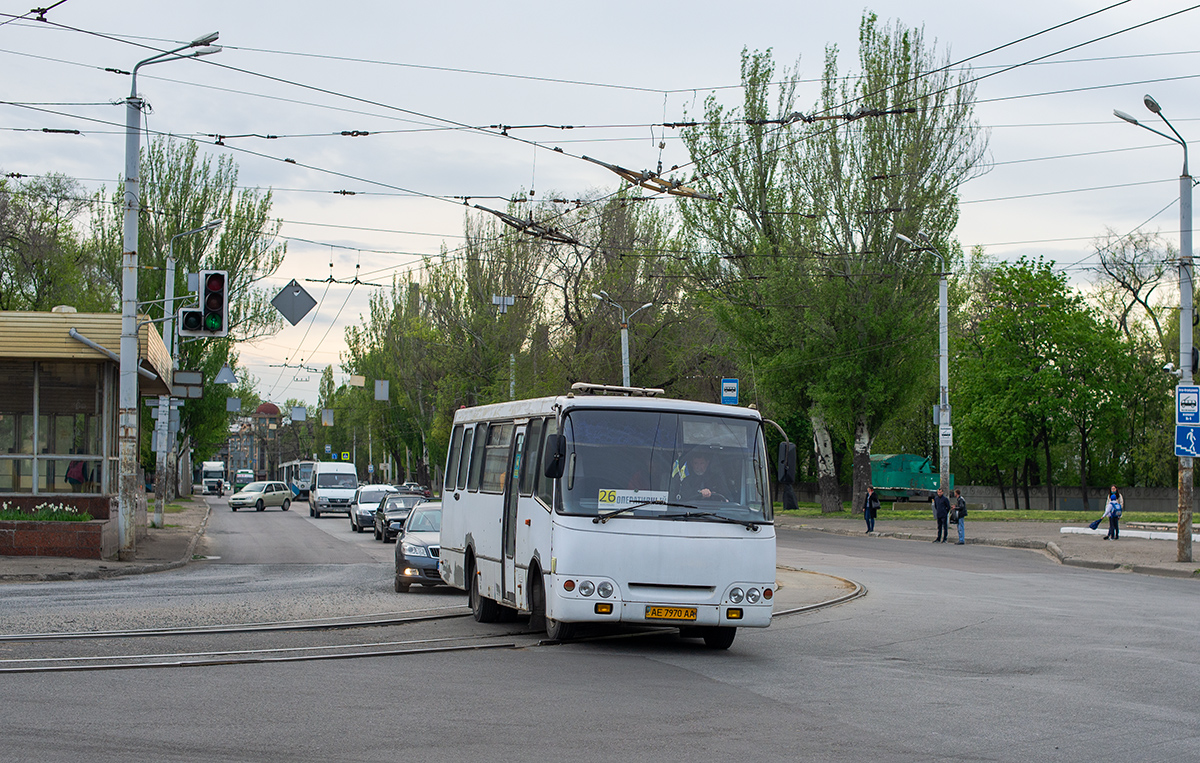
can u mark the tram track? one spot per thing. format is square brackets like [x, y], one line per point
[319, 652]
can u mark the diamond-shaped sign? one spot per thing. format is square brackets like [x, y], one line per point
[293, 302]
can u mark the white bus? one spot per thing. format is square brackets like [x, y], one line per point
[297, 475]
[611, 505]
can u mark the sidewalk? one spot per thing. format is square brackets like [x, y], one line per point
[163, 549]
[1075, 548]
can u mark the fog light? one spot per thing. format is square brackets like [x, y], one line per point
[752, 596]
[767, 593]
[605, 589]
[409, 572]
[736, 596]
[569, 585]
[604, 609]
[587, 588]
[734, 613]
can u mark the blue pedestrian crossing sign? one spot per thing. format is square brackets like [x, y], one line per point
[1187, 440]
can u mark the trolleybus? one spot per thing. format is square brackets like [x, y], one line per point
[611, 505]
[297, 475]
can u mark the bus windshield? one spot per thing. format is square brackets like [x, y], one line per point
[655, 464]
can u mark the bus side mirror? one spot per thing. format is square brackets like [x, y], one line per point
[556, 456]
[786, 468]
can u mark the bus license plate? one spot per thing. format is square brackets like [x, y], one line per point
[670, 613]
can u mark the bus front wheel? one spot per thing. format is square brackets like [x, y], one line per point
[718, 637]
[555, 629]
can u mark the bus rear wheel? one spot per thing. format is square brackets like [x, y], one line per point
[719, 637]
[483, 609]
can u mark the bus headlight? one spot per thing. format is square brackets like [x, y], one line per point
[752, 596]
[587, 588]
[605, 589]
[736, 596]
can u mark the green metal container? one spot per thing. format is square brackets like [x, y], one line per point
[901, 476]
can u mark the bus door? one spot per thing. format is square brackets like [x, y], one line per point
[512, 495]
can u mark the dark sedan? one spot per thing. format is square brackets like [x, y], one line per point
[418, 548]
[391, 513]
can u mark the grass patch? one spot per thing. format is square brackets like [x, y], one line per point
[984, 515]
[170, 508]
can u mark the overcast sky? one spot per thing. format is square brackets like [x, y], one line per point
[1063, 168]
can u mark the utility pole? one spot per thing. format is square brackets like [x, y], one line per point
[945, 432]
[1183, 543]
[127, 417]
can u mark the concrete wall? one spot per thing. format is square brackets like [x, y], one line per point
[1066, 498]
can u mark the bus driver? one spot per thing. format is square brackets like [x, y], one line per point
[700, 480]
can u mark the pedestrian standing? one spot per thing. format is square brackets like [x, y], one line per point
[941, 510]
[1113, 509]
[960, 515]
[871, 508]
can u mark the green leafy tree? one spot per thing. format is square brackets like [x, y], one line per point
[42, 262]
[814, 280]
[182, 191]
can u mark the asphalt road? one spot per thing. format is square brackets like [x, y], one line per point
[956, 653]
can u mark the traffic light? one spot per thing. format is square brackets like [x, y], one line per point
[212, 318]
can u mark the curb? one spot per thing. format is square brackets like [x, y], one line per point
[1051, 548]
[858, 590]
[118, 572]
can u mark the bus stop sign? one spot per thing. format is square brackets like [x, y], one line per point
[729, 392]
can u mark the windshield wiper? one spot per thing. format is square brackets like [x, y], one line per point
[712, 515]
[601, 519]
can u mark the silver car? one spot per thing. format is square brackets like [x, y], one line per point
[260, 495]
[366, 500]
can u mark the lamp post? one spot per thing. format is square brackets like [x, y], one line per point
[603, 297]
[943, 363]
[161, 483]
[1183, 542]
[127, 419]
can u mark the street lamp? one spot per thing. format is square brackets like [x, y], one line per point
[164, 401]
[603, 297]
[943, 364]
[127, 421]
[1184, 537]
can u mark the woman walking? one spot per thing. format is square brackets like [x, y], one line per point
[1113, 507]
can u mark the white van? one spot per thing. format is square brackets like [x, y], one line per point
[332, 488]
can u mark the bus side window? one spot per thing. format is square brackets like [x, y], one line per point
[477, 453]
[495, 463]
[466, 458]
[533, 447]
[455, 452]
[545, 486]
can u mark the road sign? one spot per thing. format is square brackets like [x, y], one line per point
[1187, 404]
[729, 392]
[1187, 440]
[946, 436]
[370, 468]
[293, 302]
[328, 448]
[345, 455]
